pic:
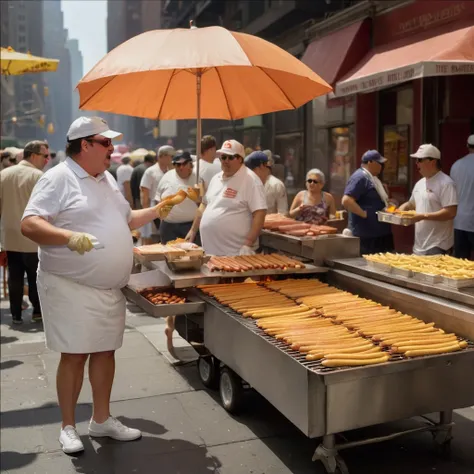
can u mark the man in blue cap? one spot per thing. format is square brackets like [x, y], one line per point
[364, 195]
[257, 161]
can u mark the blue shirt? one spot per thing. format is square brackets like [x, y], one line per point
[462, 173]
[362, 189]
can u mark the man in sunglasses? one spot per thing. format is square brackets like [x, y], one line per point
[16, 185]
[435, 200]
[82, 223]
[364, 195]
[234, 207]
[179, 221]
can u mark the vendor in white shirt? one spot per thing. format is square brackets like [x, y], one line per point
[435, 200]
[275, 190]
[124, 175]
[179, 221]
[234, 207]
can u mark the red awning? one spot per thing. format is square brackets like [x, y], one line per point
[336, 54]
[446, 54]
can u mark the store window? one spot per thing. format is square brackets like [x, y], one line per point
[396, 120]
[342, 160]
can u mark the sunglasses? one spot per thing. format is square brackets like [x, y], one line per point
[312, 181]
[228, 157]
[106, 142]
[178, 165]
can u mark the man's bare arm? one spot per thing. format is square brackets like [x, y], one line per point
[42, 232]
[351, 205]
[258, 219]
[144, 197]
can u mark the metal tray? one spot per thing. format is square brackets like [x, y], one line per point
[383, 267]
[427, 277]
[402, 272]
[394, 219]
[194, 305]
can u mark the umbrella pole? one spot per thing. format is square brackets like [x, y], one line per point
[198, 128]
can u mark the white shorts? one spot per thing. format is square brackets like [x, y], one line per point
[79, 319]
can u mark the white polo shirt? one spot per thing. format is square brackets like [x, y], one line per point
[431, 195]
[170, 184]
[208, 170]
[230, 203]
[69, 198]
[150, 180]
[124, 174]
[275, 193]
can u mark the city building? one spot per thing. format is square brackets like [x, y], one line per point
[60, 96]
[77, 71]
[22, 96]
[126, 19]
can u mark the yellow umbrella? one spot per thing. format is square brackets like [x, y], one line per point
[14, 64]
[198, 73]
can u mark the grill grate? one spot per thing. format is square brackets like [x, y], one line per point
[314, 366]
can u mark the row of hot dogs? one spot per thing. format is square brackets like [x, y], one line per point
[253, 262]
[331, 325]
[286, 225]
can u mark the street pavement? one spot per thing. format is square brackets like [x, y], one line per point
[185, 429]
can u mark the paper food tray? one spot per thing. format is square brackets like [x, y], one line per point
[427, 277]
[394, 219]
[458, 282]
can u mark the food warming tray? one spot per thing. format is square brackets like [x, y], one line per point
[390, 218]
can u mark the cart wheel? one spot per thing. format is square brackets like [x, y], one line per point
[443, 450]
[231, 390]
[341, 466]
[335, 465]
[208, 368]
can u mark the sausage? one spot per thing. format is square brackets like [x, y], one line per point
[415, 347]
[440, 350]
[297, 232]
[291, 227]
[353, 362]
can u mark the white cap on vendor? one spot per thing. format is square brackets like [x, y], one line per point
[373, 155]
[88, 126]
[470, 141]
[427, 151]
[233, 148]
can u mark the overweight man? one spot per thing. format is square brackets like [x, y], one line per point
[81, 222]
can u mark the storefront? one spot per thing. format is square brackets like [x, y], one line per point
[413, 87]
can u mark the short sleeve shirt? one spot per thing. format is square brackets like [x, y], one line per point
[170, 184]
[124, 174]
[432, 195]
[275, 193]
[151, 178]
[69, 198]
[230, 203]
[462, 173]
[363, 190]
[208, 170]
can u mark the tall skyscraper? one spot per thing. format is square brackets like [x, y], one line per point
[77, 71]
[22, 96]
[59, 83]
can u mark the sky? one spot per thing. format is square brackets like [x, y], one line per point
[86, 21]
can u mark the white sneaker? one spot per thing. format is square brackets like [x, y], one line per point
[114, 429]
[70, 441]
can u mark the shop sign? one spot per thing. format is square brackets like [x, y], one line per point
[418, 17]
[400, 75]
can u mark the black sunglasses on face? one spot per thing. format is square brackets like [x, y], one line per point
[181, 164]
[311, 181]
[420, 160]
[228, 157]
[106, 142]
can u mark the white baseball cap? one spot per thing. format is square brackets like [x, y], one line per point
[232, 147]
[88, 126]
[470, 140]
[427, 151]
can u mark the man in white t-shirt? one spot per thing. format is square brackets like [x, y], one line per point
[234, 207]
[179, 221]
[208, 166]
[435, 200]
[152, 177]
[124, 175]
[275, 190]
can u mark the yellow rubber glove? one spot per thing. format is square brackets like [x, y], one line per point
[81, 242]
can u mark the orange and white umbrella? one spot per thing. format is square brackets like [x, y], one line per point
[198, 73]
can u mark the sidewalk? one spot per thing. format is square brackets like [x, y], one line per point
[185, 429]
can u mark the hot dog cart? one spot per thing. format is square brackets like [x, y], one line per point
[323, 402]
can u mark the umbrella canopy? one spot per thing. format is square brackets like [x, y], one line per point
[153, 75]
[14, 64]
[138, 154]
